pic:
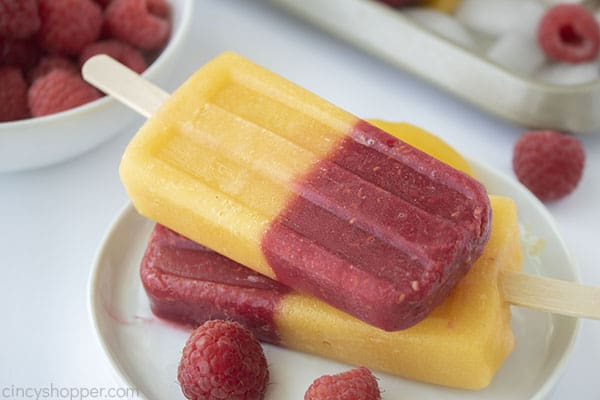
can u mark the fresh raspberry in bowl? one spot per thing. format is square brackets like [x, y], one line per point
[13, 94]
[31, 141]
[548, 163]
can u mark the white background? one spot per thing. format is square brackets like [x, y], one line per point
[52, 220]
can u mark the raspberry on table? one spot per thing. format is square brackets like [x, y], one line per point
[356, 384]
[133, 22]
[19, 19]
[569, 33]
[59, 90]
[548, 163]
[120, 51]
[13, 94]
[50, 63]
[67, 26]
[223, 360]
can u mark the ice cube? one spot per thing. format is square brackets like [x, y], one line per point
[442, 24]
[550, 3]
[498, 17]
[569, 74]
[517, 52]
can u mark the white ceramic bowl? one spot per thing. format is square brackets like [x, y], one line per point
[37, 142]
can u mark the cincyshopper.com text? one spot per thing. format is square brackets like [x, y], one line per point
[71, 393]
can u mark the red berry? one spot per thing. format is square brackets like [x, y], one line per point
[133, 22]
[50, 63]
[20, 53]
[548, 163]
[570, 33]
[223, 360]
[120, 51]
[356, 384]
[59, 90]
[159, 8]
[68, 25]
[18, 18]
[103, 3]
[13, 94]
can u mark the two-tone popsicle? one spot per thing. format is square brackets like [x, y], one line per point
[285, 183]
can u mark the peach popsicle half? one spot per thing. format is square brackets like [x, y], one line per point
[183, 177]
[462, 343]
[276, 178]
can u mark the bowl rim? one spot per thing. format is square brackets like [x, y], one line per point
[177, 36]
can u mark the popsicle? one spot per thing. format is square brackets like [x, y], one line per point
[277, 179]
[462, 343]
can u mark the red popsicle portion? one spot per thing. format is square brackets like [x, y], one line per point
[379, 223]
[190, 284]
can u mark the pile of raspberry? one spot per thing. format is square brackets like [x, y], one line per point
[43, 44]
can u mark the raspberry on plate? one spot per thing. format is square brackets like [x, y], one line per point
[68, 25]
[120, 51]
[356, 384]
[133, 22]
[223, 360]
[548, 163]
[18, 19]
[59, 90]
[13, 94]
[569, 33]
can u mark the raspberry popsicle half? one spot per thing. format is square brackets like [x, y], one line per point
[274, 177]
[462, 343]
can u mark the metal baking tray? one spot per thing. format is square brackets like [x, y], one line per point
[387, 34]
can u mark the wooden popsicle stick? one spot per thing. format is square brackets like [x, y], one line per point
[552, 295]
[125, 85]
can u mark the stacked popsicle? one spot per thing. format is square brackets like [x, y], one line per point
[281, 181]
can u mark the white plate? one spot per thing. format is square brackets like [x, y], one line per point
[145, 351]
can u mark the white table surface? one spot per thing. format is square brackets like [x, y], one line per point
[53, 219]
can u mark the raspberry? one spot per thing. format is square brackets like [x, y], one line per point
[223, 360]
[103, 3]
[548, 163]
[133, 22]
[20, 53]
[18, 18]
[13, 94]
[118, 50]
[570, 33]
[50, 63]
[356, 384]
[57, 91]
[159, 8]
[68, 25]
